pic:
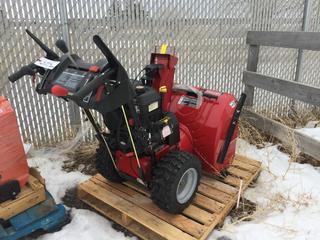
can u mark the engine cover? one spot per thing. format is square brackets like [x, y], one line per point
[148, 105]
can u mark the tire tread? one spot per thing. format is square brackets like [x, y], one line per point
[165, 173]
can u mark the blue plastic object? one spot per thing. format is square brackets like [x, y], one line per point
[47, 216]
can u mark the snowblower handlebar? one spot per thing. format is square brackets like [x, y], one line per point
[50, 53]
[29, 69]
[70, 77]
[92, 85]
[102, 73]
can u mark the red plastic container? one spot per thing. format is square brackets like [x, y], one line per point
[13, 161]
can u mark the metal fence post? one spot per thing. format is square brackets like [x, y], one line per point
[74, 111]
[2, 29]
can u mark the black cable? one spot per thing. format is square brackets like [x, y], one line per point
[136, 78]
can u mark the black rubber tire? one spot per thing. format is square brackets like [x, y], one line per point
[166, 176]
[104, 165]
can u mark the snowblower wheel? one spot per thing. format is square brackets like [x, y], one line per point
[104, 165]
[175, 181]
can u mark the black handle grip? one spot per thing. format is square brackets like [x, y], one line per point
[62, 46]
[113, 61]
[25, 70]
[92, 85]
[121, 74]
[50, 54]
[232, 127]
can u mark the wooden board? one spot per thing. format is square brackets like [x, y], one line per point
[285, 134]
[252, 65]
[302, 40]
[31, 194]
[131, 206]
[298, 91]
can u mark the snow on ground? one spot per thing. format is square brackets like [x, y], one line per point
[311, 132]
[50, 161]
[84, 225]
[287, 196]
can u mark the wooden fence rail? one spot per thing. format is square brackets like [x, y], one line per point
[302, 40]
[295, 90]
[291, 89]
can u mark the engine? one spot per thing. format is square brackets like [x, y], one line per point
[155, 127]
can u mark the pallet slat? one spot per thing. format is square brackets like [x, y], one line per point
[31, 194]
[232, 180]
[179, 221]
[212, 182]
[208, 203]
[131, 206]
[247, 160]
[116, 216]
[244, 166]
[138, 214]
[213, 193]
[199, 214]
[239, 173]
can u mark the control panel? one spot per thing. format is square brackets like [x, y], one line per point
[73, 79]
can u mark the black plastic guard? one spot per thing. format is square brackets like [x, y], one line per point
[9, 190]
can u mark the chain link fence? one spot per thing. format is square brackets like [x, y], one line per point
[208, 36]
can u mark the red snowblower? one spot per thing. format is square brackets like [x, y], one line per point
[156, 133]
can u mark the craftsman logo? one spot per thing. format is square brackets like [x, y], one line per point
[153, 106]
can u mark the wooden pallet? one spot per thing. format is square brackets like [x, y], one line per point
[31, 194]
[131, 206]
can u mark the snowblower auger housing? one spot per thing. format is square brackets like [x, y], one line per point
[159, 134]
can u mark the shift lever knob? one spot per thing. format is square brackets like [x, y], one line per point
[62, 46]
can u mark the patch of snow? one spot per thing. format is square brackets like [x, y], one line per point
[311, 132]
[287, 195]
[86, 225]
[50, 161]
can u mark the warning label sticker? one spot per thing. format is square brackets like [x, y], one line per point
[188, 101]
[166, 131]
